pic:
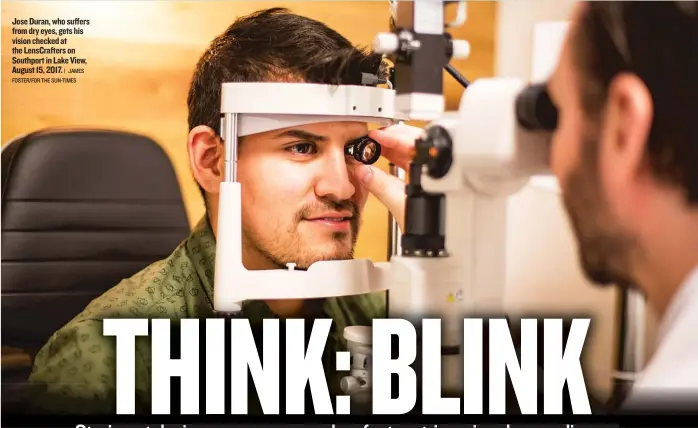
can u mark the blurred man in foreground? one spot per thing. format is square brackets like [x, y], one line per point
[626, 154]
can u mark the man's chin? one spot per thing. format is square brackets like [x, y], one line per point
[325, 252]
[604, 276]
[598, 277]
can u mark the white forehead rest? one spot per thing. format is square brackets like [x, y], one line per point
[266, 106]
[249, 124]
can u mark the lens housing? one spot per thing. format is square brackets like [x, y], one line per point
[365, 150]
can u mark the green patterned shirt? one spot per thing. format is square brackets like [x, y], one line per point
[78, 366]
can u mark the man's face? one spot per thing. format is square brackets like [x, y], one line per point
[300, 201]
[578, 161]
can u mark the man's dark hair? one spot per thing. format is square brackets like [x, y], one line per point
[658, 42]
[274, 45]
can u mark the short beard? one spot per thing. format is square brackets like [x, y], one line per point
[288, 246]
[604, 247]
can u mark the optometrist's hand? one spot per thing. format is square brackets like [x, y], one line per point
[397, 144]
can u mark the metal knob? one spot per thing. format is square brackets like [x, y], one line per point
[349, 385]
[461, 49]
[386, 43]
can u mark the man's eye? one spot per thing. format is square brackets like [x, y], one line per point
[303, 148]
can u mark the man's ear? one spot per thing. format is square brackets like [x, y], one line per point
[628, 125]
[206, 155]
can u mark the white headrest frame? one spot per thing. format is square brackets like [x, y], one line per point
[249, 124]
[251, 108]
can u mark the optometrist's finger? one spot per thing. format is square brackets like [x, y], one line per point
[397, 136]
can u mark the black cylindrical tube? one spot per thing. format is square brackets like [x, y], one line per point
[424, 234]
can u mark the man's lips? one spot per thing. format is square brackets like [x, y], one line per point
[332, 221]
[335, 219]
[334, 216]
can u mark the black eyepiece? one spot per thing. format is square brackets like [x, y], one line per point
[535, 110]
[365, 150]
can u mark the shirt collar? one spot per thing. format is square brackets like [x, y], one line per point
[684, 296]
[201, 249]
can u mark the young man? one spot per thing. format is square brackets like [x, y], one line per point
[302, 203]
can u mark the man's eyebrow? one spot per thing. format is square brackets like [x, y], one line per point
[302, 135]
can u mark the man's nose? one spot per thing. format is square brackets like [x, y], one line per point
[333, 181]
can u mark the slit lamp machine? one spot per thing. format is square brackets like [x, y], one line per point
[450, 259]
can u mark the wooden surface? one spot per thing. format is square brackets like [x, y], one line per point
[14, 358]
[141, 56]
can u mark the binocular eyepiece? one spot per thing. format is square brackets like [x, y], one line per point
[365, 150]
[535, 110]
